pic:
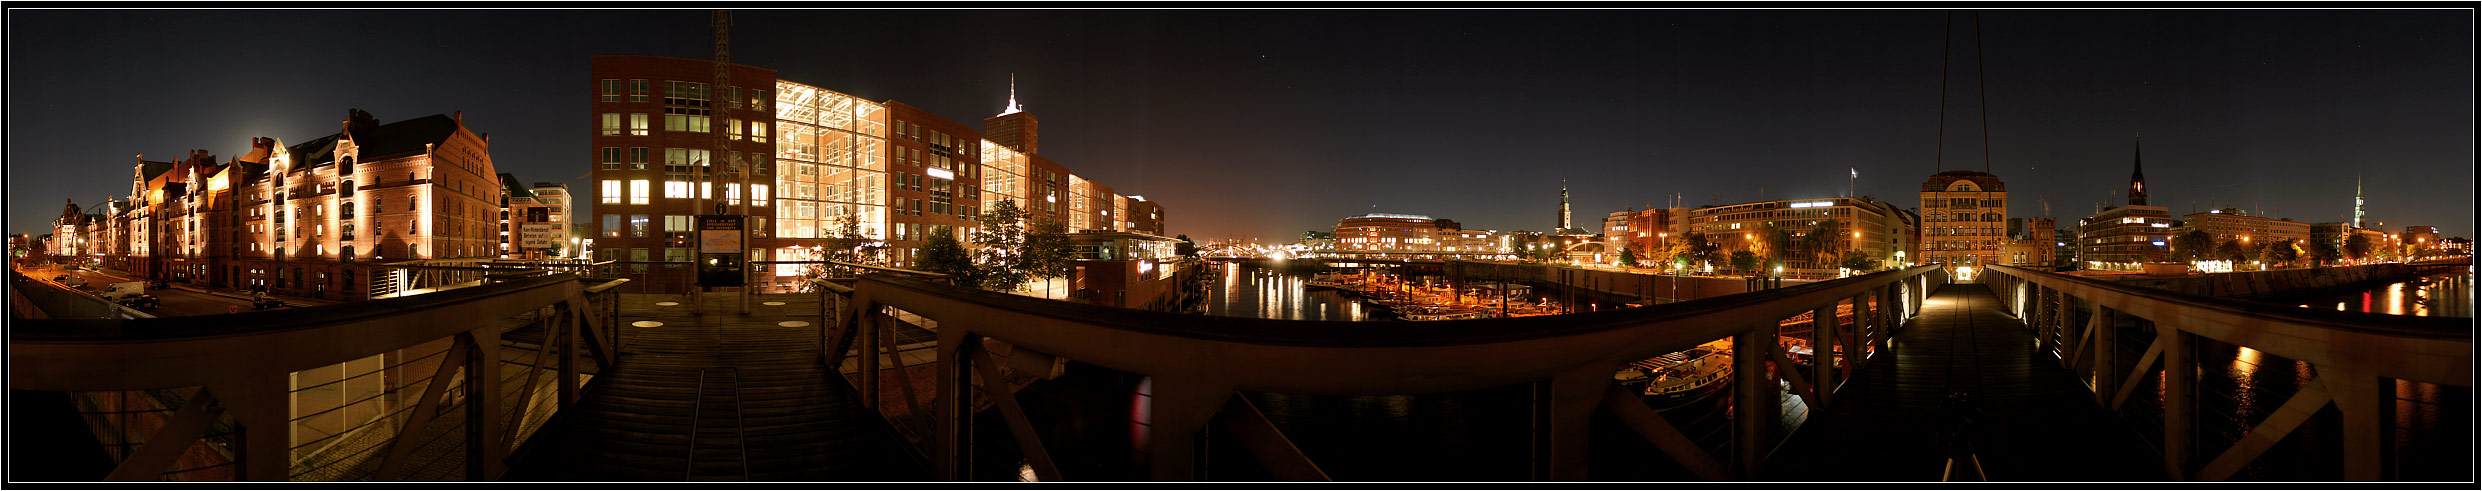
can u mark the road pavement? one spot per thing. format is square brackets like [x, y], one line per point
[180, 300]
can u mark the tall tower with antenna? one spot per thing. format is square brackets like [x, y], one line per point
[2357, 210]
[1564, 216]
[1013, 127]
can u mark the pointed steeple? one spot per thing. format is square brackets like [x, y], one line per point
[1013, 108]
[2357, 210]
[1564, 216]
[2137, 177]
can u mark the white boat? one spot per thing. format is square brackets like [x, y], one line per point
[1676, 379]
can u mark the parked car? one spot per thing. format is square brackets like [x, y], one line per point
[142, 302]
[60, 279]
[264, 303]
[158, 285]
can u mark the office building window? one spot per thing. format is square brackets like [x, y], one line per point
[676, 189]
[676, 223]
[637, 225]
[611, 191]
[638, 192]
[611, 124]
[611, 225]
[611, 157]
[637, 124]
[758, 195]
[611, 90]
[637, 158]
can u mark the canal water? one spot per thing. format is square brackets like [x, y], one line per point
[2432, 424]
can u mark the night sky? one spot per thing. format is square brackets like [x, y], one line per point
[1268, 123]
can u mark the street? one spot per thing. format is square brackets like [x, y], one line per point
[176, 302]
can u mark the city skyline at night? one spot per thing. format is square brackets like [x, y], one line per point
[1265, 123]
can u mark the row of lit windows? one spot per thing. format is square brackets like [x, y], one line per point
[639, 192]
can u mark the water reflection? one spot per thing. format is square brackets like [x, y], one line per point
[1253, 292]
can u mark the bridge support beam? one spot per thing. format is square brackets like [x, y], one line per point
[1563, 406]
[1752, 391]
[1177, 409]
[260, 408]
[2104, 344]
[1823, 354]
[2179, 393]
[485, 452]
[2360, 399]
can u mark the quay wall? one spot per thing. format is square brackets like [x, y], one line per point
[2277, 283]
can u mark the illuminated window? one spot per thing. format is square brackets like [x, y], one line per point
[637, 225]
[732, 193]
[611, 90]
[638, 192]
[676, 189]
[611, 191]
[676, 223]
[732, 127]
[611, 124]
[758, 195]
[611, 225]
[637, 124]
[758, 131]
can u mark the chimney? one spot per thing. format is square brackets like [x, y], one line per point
[458, 115]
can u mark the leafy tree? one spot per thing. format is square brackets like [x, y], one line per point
[2357, 247]
[1818, 247]
[1048, 254]
[944, 255]
[1858, 261]
[2272, 252]
[1745, 261]
[2321, 253]
[1699, 251]
[1628, 255]
[2193, 245]
[2234, 251]
[1000, 247]
[1185, 247]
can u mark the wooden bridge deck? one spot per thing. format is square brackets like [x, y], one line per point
[755, 394]
[2039, 422]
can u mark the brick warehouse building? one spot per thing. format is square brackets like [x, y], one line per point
[816, 159]
[313, 219]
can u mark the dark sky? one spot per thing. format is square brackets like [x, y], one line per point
[1268, 123]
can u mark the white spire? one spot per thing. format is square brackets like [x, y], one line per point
[1013, 108]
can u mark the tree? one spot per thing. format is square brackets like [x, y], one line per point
[1000, 247]
[1184, 247]
[1628, 255]
[2282, 252]
[1047, 252]
[1858, 262]
[944, 255]
[2321, 252]
[2357, 246]
[2234, 251]
[2193, 245]
[1818, 246]
[1698, 250]
[1745, 261]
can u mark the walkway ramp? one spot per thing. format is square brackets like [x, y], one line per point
[2040, 423]
[719, 397]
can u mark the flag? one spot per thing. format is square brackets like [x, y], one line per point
[1856, 173]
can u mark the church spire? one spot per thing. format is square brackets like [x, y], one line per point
[2357, 210]
[1564, 216]
[1013, 108]
[2137, 177]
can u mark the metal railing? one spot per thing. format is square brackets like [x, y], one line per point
[362, 391]
[1193, 365]
[2356, 358]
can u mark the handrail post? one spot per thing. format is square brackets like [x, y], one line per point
[1822, 354]
[262, 419]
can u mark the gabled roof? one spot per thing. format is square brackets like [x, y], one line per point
[387, 141]
[148, 169]
[405, 137]
[515, 188]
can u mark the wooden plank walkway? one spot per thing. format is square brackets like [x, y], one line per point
[776, 404]
[2039, 422]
